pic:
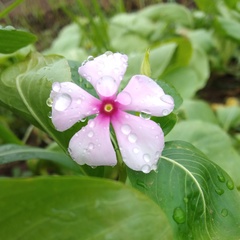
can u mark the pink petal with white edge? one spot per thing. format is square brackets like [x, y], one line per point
[140, 141]
[147, 96]
[110, 64]
[92, 144]
[71, 104]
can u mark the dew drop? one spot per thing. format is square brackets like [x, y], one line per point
[50, 114]
[167, 99]
[91, 123]
[146, 168]
[63, 101]
[90, 58]
[230, 185]
[132, 138]
[185, 200]
[70, 151]
[56, 86]
[136, 150]
[219, 191]
[90, 134]
[90, 146]
[165, 112]
[106, 86]
[154, 167]
[83, 119]
[108, 53]
[221, 178]
[145, 114]
[126, 129]
[224, 212]
[49, 102]
[79, 101]
[124, 98]
[146, 157]
[179, 216]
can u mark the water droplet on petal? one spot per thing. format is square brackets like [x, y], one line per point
[165, 112]
[154, 167]
[157, 155]
[132, 138]
[49, 102]
[90, 134]
[91, 123]
[126, 129]
[63, 101]
[84, 62]
[146, 158]
[70, 151]
[167, 99]
[124, 58]
[108, 53]
[79, 101]
[136, 150]
[146, 168]
[179, 216]
[90, 58]
[56, 86]
[90, 146]
[224, 212]
[145, 114]
[124, 98]
[106, 86]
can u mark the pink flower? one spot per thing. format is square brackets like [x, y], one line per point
[140, 139]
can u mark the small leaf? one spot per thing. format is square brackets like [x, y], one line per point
[77, 208]
[10, 153]
[12, 39]
[198, 197]
[145, 67]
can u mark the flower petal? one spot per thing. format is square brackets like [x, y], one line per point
[71, 104]
[110, 64]
[92, 144]
[140, 141]
[146, 96]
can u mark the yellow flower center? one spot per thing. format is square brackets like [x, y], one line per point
[108, 107]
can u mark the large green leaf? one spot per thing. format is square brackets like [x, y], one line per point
[25, 88]
[211, 140]
[77, 208]
[10, 153]
[12, 39]
[198, 197]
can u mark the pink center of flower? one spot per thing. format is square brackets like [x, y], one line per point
[108, 107]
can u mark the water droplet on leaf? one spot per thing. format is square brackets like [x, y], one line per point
[179, 216]
[230, 185]
[126, 129]
[63, 101]
[49, 102]
[224, 212]
[219, 191]
[221, 178]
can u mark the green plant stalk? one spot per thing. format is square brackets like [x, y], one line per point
[10, 8]
[8, 136]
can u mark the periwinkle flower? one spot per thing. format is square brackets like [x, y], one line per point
[140, 139]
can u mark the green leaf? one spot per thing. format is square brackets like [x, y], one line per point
[229, 27]
[207, 6]
[229, 117]
[198, 197]
[145, 67]
[10, 153]
[212, 141]
[12, 39]
[77, 208]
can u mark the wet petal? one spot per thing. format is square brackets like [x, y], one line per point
[70, 104]
[92, 144]
[110, 64]
[147, 97]
[140, 141]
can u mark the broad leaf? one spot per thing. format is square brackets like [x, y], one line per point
[212, 141]
[198, 197]
[12, 39]
[10, 153]
[77, 208]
